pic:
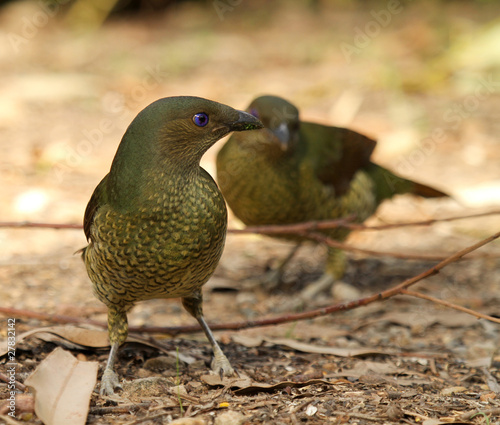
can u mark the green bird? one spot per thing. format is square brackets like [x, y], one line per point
[293, 171]
[156, 223]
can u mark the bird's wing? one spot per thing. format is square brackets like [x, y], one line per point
[338, 153]
[96, 200]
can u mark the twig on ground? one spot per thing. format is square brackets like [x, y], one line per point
[309, 230]
[335, 308]
[346, 222]
[319, 237]
[18, 385]
[123, 408]
[31, 224]
[469, 415]
[450, 305]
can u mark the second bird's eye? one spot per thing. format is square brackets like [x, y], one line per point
[254, 112]
[201, 119]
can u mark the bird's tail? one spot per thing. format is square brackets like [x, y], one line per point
[427, 191]
[388, 184]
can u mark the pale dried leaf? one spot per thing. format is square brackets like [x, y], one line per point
[63, 386]
[189, 421]
[75, 337]
[317, 349]
[247, 341]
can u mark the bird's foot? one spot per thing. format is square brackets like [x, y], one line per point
[311, 296]
[313, 289]
[109, 383]
[342, 291]
[221, 366]
[267, 282]
[272, 279]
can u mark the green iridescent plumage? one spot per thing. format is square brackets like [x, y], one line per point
[156, 224]
[293, 171]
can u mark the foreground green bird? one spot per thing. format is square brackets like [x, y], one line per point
[293, 171]
[156, 224]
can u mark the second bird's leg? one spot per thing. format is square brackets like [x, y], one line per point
[334, 271]
[220, 363]
[118, 331]
[273, 277]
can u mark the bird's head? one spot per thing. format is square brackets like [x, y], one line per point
[280, 119]
[168, 139]
[181, 129]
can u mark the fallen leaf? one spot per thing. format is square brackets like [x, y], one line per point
[247, 341]
[63, 386]
[75, 337]
[318, 349]
[452, 390]
[215, 380]
[448, 319]
[189, 421]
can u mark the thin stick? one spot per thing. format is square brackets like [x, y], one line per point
[346, 222]
[321, 238]
[30, 224]
[335, 308]
[7, 380]
[450, 305]
[123, 408]
[54, 318]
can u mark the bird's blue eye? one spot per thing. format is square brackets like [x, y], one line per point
[201, 119]
[254, 112]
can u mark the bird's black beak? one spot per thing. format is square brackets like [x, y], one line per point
[246, 121]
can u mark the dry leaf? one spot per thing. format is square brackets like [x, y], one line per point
[317, 349]
[75, 337]
[63, 386]
[72, 336]
[247, 341]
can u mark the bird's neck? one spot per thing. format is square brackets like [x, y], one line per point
[142, 181]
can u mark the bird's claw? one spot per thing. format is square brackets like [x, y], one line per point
[109, 383]
[221, 366]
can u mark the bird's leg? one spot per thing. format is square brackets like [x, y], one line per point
[334, 271]
[220, 363]
[118, 331]
[272, 278]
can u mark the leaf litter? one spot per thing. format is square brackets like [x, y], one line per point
[401, 361]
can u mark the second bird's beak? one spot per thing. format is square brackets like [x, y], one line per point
[282, 133]
[246, 121]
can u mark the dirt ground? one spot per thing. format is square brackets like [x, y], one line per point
[422, 78]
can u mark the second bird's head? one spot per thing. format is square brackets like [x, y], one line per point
[280, 119]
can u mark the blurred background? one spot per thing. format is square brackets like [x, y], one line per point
[422, 77]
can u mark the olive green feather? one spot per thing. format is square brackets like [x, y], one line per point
[293, 171]
[156, 223]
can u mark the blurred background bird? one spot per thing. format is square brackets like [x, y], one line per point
[156, 224]
[294, 172]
